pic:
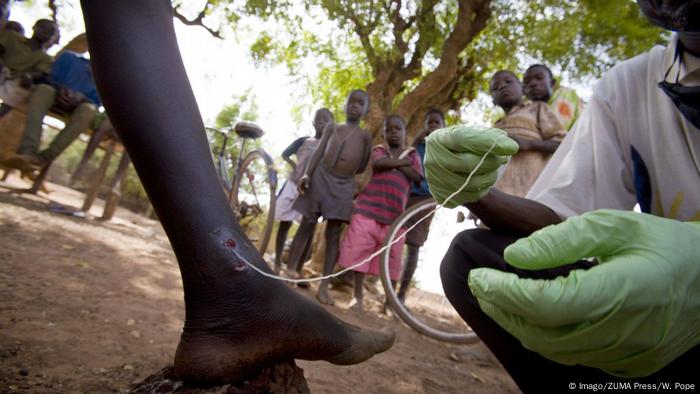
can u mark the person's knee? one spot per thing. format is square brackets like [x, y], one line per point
[44, 89]
[42, 96]
[85, 112]
[458, 262]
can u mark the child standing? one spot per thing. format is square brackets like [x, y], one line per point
[539, 85]
[303, 148]
[434, 119]
[380, 203]
[328, 184]
[532, 125]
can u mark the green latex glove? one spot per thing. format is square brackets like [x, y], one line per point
[630, 315]
[453, 152]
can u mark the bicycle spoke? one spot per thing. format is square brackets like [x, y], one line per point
[255, 192]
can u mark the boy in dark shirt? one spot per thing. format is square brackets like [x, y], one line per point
[302, 147]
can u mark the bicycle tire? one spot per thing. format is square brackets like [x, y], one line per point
[270, 179]
[399, 308]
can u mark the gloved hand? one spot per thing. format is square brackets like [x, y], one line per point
[630, 315]
[453, 152]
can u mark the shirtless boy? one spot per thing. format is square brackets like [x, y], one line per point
[328, 185]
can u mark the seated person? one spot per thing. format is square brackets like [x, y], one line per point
[539, 85]
[71, 91]
[532, 125]
[24, 61]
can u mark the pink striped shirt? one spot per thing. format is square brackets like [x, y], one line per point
[384, 198]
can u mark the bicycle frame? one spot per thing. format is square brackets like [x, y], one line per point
[239, 162]
[221, 165]
[227, 181]
[231, 179]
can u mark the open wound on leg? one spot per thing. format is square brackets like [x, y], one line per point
[226, 239]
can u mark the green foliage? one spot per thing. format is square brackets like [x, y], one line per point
[582, 38]
[333, 85]
[350, 43]
[242, 107]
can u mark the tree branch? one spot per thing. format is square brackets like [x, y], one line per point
[426, 21]
[471, 19]
[363, 33]
[198, 21]
[54, 9]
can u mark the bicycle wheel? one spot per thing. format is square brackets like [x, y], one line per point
[425, 308]
[253, 197]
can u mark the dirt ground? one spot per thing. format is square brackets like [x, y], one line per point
[91, 306]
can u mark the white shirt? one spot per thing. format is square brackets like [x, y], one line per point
[630, 145]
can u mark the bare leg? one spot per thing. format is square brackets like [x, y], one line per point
[305, 254]
[359, 284]
[408, 271]
[304, 234]
[280, 239]
[332, 244]
[142, 81]
[307, 251]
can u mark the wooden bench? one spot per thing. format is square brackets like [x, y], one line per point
[12, 128]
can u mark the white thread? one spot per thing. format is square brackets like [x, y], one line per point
[378, 252]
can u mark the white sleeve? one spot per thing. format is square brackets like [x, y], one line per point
[591, 169]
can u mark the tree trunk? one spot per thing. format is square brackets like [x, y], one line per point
[442, 88]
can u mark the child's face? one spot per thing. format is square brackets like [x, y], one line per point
[356, 106]
[506, 90]
[46, 31]
[321, 119]
[537, 84]
[433, 122]
[394, 133]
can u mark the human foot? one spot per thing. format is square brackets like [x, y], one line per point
[355, 304]
[265, 324]
[24, 162]
[303, 285]
[295, 275]
[221, 353]
[324, 298]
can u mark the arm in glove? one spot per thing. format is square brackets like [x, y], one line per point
[453, 152]
[630, 315]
